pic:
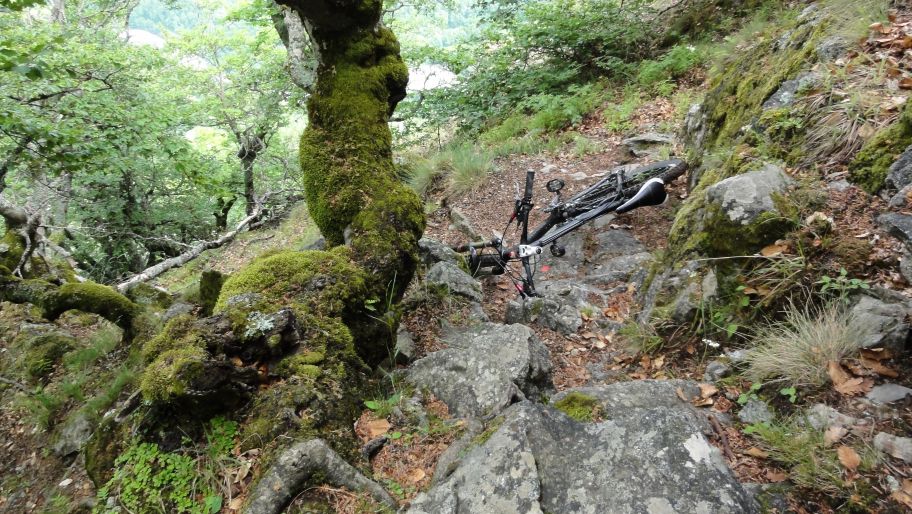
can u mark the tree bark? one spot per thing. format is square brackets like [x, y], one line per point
[294, 36]
[223, 207]
[352, 190]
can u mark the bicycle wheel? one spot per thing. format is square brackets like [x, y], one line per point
[606, 189]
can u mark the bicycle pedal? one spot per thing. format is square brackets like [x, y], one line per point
[558, 251]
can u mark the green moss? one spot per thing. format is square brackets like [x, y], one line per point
[145, 295]
[312, 282]
[11, 248]
[869, 167]
[169, 374]
[493, 426]
[44, 352]
[178, 333]
[94, 298]
[211, 282]
[301, 365]
[578, 406]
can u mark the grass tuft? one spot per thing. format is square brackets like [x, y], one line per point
[470, 166]
[797, 349]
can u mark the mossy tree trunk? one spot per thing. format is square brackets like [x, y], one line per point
[346, 156]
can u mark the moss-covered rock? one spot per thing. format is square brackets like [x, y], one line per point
[12, 246]
[168, 376]
[44, 351]
[147, 296]
[578, 406]
[178, 333]
[869, 168]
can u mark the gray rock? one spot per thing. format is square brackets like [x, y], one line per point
[888, 393]
[649, 144]
[485, 368]
[317, 244]
[900, 173]
[788, 90]
[898, 447]
[832, 48]
[649, 454]
[694, 130]
[715, 371]
[176, 310]
[756, 411]
[905, 266]
[839, 185]
[405, 346]
[900, 199]
[432, 251]
[461, 223]
[745, 197]
[885, 322]
[821, 416]
[454, 280]
[898, 225]
[74, 435]
[736, 356]
[555, 313]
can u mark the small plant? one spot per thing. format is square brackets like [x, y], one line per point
[383, 407]
[798, 348]
[841, 286]
[643, 337]
[789, 392]
[750, 394]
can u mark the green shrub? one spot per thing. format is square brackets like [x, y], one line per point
[675, 63]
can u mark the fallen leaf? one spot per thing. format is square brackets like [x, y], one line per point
[680, 393]
[775, 476]
[879, 368]
[848, 457]
[707, 390]
[600, 345]
[658, 362]
[903, 498]
[646, 362]
[691, 349]
[416, 475]
[589, 335]
[773, 250]
[753, 451]
[377, 427]
[236, 503]
[834, 434]
[837, 374]
[702, 402]
[905, 83]
[855, 386]
[877, 354]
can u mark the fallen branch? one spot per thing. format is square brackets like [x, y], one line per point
[174, 262]
[723, 438]
[297, 465]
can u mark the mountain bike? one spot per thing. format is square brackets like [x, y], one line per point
[618, 192]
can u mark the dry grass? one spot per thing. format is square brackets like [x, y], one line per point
[797, 349]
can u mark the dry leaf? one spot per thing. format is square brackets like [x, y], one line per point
[691, 349]
[834, 434]
[877, 354]
[837, 374]
[589, 335]
[645, 362]
[879, 368]
[702, 402]
[416, 475]
[775, 476]
[905, 83]
[236, 503]
[753, 451]
[658, 362]
[680, 393]
[707, 390]
[773, 250]
[377, 427]
[848, 457]
[855, 386]
[903, 498]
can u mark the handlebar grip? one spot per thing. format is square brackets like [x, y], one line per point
[530, 179]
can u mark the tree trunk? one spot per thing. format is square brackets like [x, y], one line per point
[249, 195]
[352, 191]
[223, 207]
[291, 30]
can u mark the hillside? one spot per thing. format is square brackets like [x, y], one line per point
[742, 347]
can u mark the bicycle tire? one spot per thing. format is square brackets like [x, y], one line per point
[596, 194]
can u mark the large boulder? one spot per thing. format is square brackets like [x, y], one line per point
[485, 368]
[743, 199]
[451, 279]
[647, 454]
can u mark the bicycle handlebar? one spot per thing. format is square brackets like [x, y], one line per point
[530, 179]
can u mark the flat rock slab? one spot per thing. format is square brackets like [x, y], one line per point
[888, 393]
[898, 225]
[649, 455]
[485, 369]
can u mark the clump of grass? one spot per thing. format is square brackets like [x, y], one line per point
[425, 172]
[797, 349]
[804, 451]
[470, 166]
[617, 115]
[642, 337]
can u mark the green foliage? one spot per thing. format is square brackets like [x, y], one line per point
[147, 479]
[841, 286]
[673, 64]
[750, 394]
[642, 337]
[471, 165]
[383, 407]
